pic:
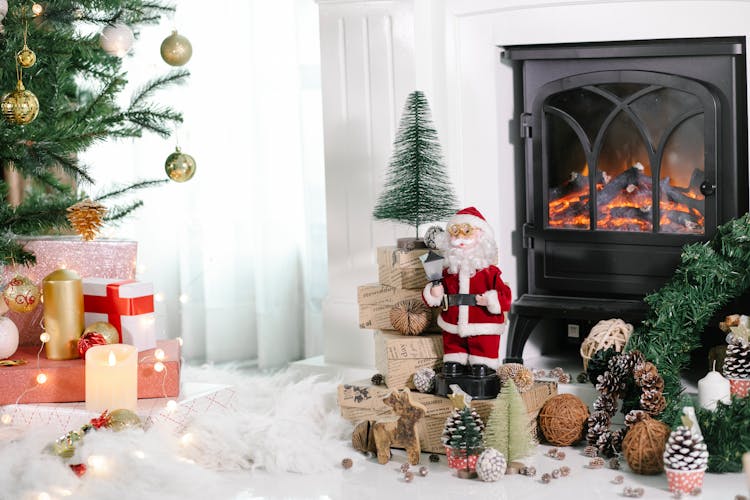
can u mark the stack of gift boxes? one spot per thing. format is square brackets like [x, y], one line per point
[112, 295]
[397, 357]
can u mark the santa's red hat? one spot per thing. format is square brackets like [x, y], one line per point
[471, 215]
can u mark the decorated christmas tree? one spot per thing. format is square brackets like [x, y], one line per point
[508, 427]
[61, 69]
[417, 188]
[464, 431]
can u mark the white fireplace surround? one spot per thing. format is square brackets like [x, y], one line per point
[375, 52]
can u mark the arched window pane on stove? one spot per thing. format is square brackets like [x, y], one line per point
[567, 181]
[622, 90]
[624, 195]
[682, 206]
[587, 108]
[660, 108]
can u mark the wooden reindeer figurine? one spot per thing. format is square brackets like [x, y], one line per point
[400, 432]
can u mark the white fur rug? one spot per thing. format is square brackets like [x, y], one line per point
[283, 422]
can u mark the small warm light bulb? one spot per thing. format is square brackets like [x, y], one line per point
[159, 366]
[44, 337]
[6, 419]
[43, 496]
[37, 9]
[184, 298]
[186, 439]
[41, 378]
[171, 405]
[97, 462]
[112, 360]
[139, 454]
[159, 297]
[159, 354]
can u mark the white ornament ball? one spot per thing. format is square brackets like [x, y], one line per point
[117, 39]
[424, 380]
[432, 236]
[491, 465]
[8, 337]
[3, 9]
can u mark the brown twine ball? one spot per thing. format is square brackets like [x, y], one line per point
[644, 445]
[410, 317]
[563, 419]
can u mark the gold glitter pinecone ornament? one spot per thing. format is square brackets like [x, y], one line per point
[410, 317]
[87, 217]
[521, 376]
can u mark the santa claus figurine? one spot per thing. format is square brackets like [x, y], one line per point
[472, 295]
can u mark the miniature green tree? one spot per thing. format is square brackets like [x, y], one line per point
[508, 427]
[417, 188]
[464, 430]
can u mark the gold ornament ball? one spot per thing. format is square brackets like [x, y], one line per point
[19, 107]
[180, 167]
[26, 57]
[21, 294]
[106, 330]
[37, 9]
[176, 50]
[122, 419]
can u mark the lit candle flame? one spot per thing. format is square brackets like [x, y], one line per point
[112, 360]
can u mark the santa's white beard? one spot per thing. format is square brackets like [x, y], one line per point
[469, 260]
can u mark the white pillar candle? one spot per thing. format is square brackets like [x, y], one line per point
[712, 388]
[111, 377]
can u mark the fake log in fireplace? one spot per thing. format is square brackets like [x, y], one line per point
[630, 151]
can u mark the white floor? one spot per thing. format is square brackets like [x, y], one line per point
[370, 480]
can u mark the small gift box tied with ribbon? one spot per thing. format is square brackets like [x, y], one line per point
[126, 304]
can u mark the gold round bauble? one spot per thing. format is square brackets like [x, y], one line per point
[176, 50]
[21, 294]
[122, 419]
[19, 107]
[26, 57]
[106, 330]
[180, 167]
[37, 9]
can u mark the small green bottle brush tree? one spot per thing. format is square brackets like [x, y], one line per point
[417, 188]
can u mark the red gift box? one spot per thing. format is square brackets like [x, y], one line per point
[126, 304]
[66, 380]
[101, 257]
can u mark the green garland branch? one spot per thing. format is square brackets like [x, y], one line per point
[710, 275]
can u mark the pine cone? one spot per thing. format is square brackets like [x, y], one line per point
[616, 440]
[737, 360]
[464, 428]
[606, 403]
[377, 379]
[611, 384]
[424, 380]
[633, 417]
[598, 423]
[87, 217]
[684, 451]
[653, 402]
[521, 376]
[647, 376]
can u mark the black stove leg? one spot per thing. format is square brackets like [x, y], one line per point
[518, 333]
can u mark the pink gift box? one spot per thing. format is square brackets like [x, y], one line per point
[66, 380]
[101, 257]
[126, 304]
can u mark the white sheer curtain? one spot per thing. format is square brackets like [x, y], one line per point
[237, 254]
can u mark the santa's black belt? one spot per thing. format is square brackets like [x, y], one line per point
[461, 299]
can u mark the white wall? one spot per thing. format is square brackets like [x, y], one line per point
[449, 48]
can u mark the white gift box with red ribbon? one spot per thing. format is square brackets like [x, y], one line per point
[126, 304]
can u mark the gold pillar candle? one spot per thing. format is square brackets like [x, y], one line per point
[111, 377]
[63, 313]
